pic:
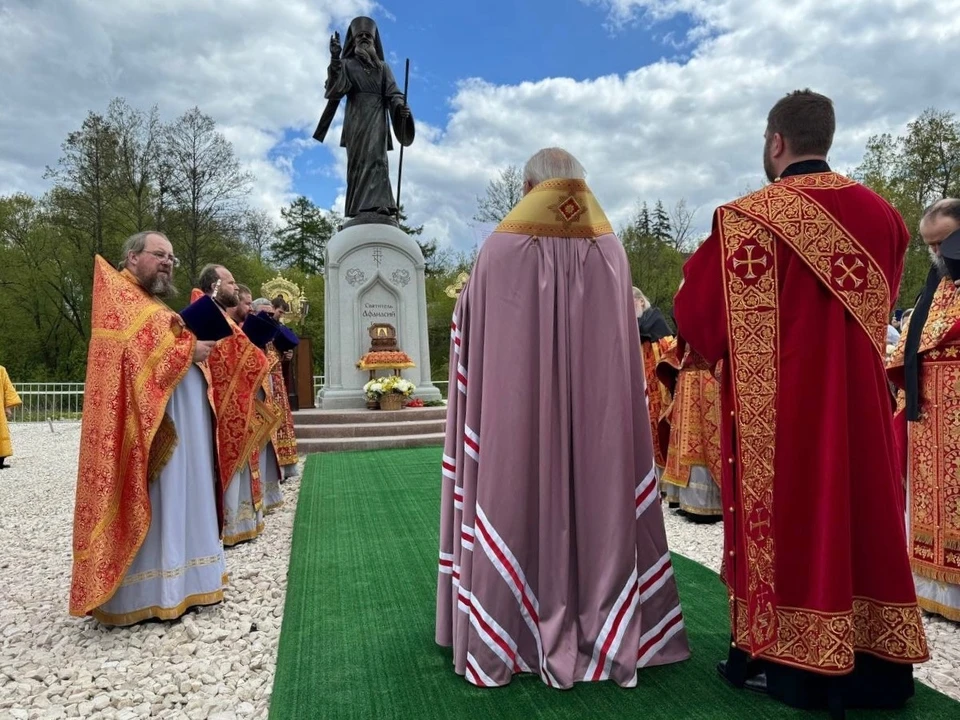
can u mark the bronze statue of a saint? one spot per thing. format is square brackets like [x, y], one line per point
[374, 102]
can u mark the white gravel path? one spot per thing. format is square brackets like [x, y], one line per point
[210, 664]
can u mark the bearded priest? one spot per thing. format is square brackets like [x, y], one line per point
[822, 605]
[146, 533]
[926, 363]
[553, 554]
[237, 370]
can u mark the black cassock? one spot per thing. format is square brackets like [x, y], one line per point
[372, 97]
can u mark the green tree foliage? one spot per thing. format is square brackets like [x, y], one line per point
[911, 172]
[653, 244]
[301, 240]
[121, 172]
[432, 263]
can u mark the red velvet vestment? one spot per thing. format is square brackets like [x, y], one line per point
[792, 292]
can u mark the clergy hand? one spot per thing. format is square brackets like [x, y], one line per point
[335, 48]
[202, 350]
[404, 112]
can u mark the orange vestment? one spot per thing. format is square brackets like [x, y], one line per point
[139, 351]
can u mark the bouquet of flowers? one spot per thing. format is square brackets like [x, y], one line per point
[384, 386]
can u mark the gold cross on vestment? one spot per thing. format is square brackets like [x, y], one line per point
[849, 272]
[750, 262]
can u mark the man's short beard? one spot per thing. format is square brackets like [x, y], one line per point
[227, 301]
[938, 262]
[367, 54]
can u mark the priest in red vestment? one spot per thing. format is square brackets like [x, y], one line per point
[553, 554]
[823, 609]
[237, 369]
[146, 532]
[926, 364]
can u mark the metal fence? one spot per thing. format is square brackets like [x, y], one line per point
[64, 401]
[48, 401]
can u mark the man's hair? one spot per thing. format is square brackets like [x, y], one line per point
[947, 207]
[806, 121]
[552, 163]
[208, 277]
[136, 244]
[280, 304]
[259, 303]
[638, 295]
[243, 290]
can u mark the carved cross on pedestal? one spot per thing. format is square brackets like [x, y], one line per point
[378, 256]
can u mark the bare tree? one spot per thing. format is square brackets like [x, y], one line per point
[681, 223]
[502, 195]
[138, 139]
[206, 184]
[256, 231]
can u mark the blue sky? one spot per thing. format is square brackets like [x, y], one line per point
[502, 42]
[651, 109]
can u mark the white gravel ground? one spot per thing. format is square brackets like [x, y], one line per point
[211, 664]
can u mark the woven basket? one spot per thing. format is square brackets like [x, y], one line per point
[391, 401]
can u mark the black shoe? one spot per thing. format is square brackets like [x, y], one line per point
[755, 683]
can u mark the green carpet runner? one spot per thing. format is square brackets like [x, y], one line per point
[358, 626]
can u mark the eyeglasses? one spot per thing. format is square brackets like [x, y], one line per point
[162, 256]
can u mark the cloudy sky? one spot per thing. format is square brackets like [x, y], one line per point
[658, 98]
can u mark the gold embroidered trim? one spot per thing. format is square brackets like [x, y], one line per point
[943, 316]
[558, 208]
[826, 642]
[155, 611]
[950, 613]
[843, 265]
[170, 574]
[819, 181]
[162, 447]
[934, 472]
[750, 286]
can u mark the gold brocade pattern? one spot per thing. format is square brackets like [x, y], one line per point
[138, 354]
[826, 642]
[285, 437]
[819, 181]
[845, 268]
[237, 368]
[943, 316]
[558, 208]
[658, 397]
[749, 255]
[934, 469]
[164, 443]
[694, 427]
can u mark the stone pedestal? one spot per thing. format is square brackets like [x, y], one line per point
[374, 274]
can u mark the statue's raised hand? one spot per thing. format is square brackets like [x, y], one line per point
[335, 47]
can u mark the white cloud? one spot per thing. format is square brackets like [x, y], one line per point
[255, 67]
[688, 128]
[694, 129]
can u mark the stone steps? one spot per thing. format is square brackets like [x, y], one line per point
[345, 430]
[352, 417]
[318, 445]
[369, 429]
